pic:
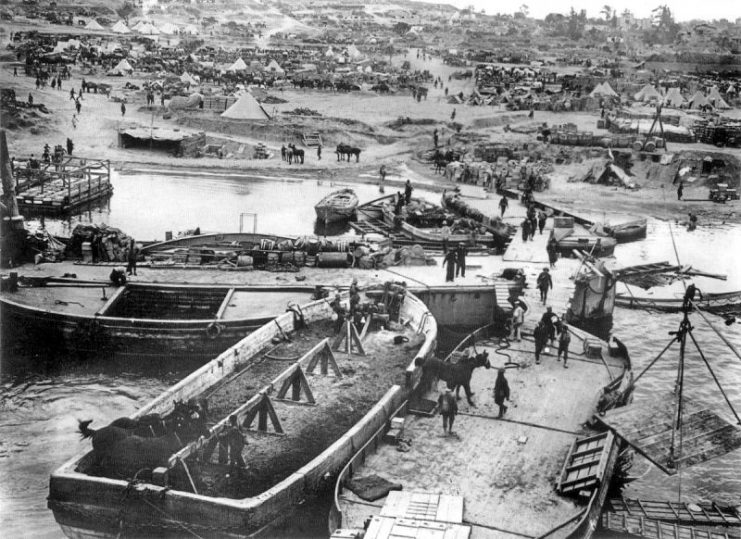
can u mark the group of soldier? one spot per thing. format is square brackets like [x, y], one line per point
[455, 262]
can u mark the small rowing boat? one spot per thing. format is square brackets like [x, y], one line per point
[337, 206]
[711, 302]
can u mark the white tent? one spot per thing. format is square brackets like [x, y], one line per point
[353, 52]
[647, 93]
[275, 67]
[188, 79]
[698, 100]
[238, 65]
[168, 28]
[147, 29]
[329, 52]
[716, 100]
[190, 29]
[603, 90]
[93, 25]
[138, 25]
[120, 28]
[246, 108]
[674, 98]
[122, 67]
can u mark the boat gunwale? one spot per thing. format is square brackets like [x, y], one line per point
[176, 242]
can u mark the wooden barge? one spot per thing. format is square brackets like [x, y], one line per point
[494, 477]
[139, 320]
[60, 188]
[301, 440]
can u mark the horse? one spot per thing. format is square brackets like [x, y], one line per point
[298, 153]
[289, 155]
[343, 150]
[456, 375]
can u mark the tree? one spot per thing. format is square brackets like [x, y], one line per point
[126, 11]
[607, 12]
[402, 28]
[525, 10]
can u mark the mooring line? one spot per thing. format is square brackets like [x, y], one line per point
[525, 423]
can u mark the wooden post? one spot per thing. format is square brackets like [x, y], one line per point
[187, 473]
[349, 335]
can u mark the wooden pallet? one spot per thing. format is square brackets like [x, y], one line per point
[312, 139]
[585, 464]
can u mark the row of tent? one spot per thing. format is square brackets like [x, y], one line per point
[145, 28]
[673, 97]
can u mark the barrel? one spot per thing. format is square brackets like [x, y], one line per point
[245, 261]
[331, 260]
[87, 251]
[312, 247]
[637, 145]
[299, 258]
[650, 146]
[273, 257]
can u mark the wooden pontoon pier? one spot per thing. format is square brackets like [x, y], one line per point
[60, 188]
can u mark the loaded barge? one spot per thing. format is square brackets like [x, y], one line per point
[540, 471]
[305, 397]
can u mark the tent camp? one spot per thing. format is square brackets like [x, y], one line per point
[603, 90]
[122, 68]
[674, 98]
[716, 100]
[275, 68]
[246, 108]
[647, 93]
[238, 65]
[168, 28]
[698, 100]
[93, 25]
[120, 28]
[190, 29]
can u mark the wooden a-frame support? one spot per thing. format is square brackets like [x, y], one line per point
[299, 384]
[324, 355]
[263, 410]
[349, 335]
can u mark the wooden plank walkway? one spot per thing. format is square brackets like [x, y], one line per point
[707, 514]
[529, 251]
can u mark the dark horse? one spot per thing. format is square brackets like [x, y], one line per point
[344, 150]
[112, 443]
[457, 375]
[296, 154]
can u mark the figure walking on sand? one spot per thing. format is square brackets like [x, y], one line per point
[448, 407]
[382, 173]
[123, 110]
[563, 345]
[501, 392]
[503, 205]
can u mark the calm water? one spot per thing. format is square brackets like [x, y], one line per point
[39, 408]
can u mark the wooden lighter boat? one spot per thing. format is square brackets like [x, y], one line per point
[337, 206]
[427, 222]
[712, 302]
[574, 236]
[190, 322]
[407, 479]
[312, 408]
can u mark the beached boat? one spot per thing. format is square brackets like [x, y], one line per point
[494, 477]
[570, 236]
[623, 232]
[139, 320]
[427, 222]
[337, 206]
[722, 302]
[307, 427]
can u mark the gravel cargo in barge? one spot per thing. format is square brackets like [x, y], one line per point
[190, 322]
[302, 418]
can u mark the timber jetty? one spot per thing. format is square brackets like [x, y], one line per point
[61, 187]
